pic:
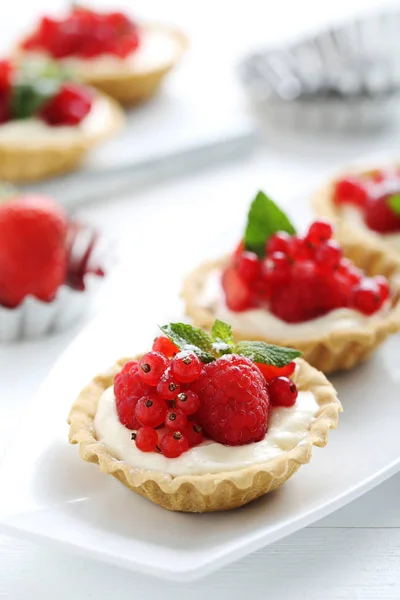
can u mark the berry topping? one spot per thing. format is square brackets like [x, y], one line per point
[174, 444]
[381, 216]
[152, 366]
[33, 255]
[282, 392]
[150, 410]
[367, 296]
[175, 420]
[128, 389]
[194, 434]
[165, 346]
[86, 34]
[271, 372]
[146, 439]
[299, 278]
[351, 190]
[188, 402]
[69, 106]
[186, 367]
[168, 387]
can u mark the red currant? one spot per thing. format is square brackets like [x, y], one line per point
[175, 420]
[174, 444]
[150, 410]
[319, 232]
[194, 434]
[168, 388]
[186, 367]
[151, 366]
[351, 190]
[328, 255]
[271, 372]
[349, 270]
[366, 296]
[279, 242]
[282, 392]
[248, 266]
[379, 216]
[146, 439]
[188, 402]
[164, 345]
[276, 269]
[299, 249]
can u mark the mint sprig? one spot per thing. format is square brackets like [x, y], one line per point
[210, 347]
[394, 203]
[264, 219]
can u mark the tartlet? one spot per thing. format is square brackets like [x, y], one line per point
[328, 349]
[216, 491]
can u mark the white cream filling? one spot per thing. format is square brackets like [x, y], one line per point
[354, 215]
[261, 322]
[34, 131]
[157, 49]
[287, 428]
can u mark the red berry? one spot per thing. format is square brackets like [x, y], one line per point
[283, 392]
[349, 271]
[188, 402]
[234, 401]
[238, 296]
[165, 346]
[174, 444]
[146, 439]
[33, 254]
[366, 296]
[151, 367]
[6, 71]
[150, 410]
[248, 266]
[380, 217]
[271, 372]
[328, 255]
[128, 389]
[175, 420]
[168, 387]
[194, 434]
[276, 269]
[299, 249]
[351, 190]
[186, 367]
[319, 232]
[69, 106]
[240, 248]
[279, 242]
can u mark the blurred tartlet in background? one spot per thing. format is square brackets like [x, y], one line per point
[50, 267]
[110, 51]
[365, 205]
[48, 122]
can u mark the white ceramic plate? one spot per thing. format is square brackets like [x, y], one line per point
[50, 494]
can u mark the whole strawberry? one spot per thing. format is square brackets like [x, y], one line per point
[32, 249]
[234, 401]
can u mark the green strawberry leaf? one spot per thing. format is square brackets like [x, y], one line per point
[265, 218]
[394, 203]
[187, 337]
[268, 354]
[222, 337]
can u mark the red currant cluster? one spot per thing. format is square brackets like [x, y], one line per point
[300, 278]
[155, 392]
[85, 34]
[372, 196]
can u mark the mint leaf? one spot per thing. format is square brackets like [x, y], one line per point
[268, 354]
[187, 337]
[265, 218]
[394, 203]
[222, 337]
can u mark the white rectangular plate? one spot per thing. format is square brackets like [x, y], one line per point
[50, 494]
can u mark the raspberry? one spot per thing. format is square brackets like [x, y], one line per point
[328, 255]
[237, 295]
[194, 434]
[165, 346]
[146, 439]
[283, 392]
[186, 367]
[234, 401]
[128, 389]
[168, 388]
[271, 372]
[175, 420]
[69, 106]
[319, 232]
[248, 266]
[279, 242]
[380, 217]
[174, 444]
[150, 410]
[151, 366]
[188, 402]
[351, 190]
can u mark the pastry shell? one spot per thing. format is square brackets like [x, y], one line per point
[328, 352]
[325, 206]
[210, 492]
[21, 162]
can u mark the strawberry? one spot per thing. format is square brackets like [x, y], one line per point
[32, 249]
